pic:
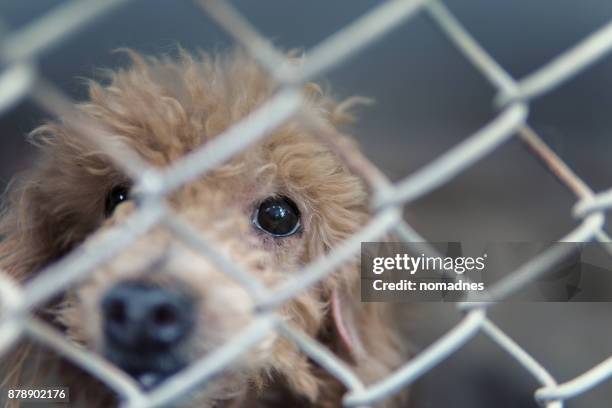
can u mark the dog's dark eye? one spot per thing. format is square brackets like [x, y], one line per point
[277, 216]
[115, 197]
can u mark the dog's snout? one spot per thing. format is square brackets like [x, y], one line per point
[146, 318]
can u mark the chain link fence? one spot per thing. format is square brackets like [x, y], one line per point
[19, 79]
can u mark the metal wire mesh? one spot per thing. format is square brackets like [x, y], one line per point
[18, 51]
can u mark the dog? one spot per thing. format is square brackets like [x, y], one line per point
[159, 305]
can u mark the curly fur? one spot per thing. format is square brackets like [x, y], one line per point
[163, 109]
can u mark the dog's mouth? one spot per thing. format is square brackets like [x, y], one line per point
[149, 371]
[150, 380]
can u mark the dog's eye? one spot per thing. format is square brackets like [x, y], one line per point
[277, 216]
[115, 197]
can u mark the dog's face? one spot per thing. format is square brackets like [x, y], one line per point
[160, 304]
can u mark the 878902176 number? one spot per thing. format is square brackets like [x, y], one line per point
[59, 394]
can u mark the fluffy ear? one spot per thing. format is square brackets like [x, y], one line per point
[349, 343]
[19, 241]
[54, 205]
[364, 334]
[37, 226]
[21, 252]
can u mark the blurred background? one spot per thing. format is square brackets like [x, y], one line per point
[428, 98]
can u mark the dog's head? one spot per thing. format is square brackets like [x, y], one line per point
[272, 209]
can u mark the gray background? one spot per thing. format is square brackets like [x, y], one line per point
[428, 99]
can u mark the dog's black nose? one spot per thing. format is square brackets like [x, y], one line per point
[146, 319]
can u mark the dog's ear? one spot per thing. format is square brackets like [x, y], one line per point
[18, 238]
[364, 334]
[50, 208]
[17, 259]
[29, 234]
[344, 316]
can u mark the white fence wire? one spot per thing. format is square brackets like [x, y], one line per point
[18, 52]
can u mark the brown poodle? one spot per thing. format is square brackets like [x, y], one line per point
[159, 305]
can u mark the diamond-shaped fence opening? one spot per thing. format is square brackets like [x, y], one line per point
[21, 79]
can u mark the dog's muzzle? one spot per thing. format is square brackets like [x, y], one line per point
[144, 327]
